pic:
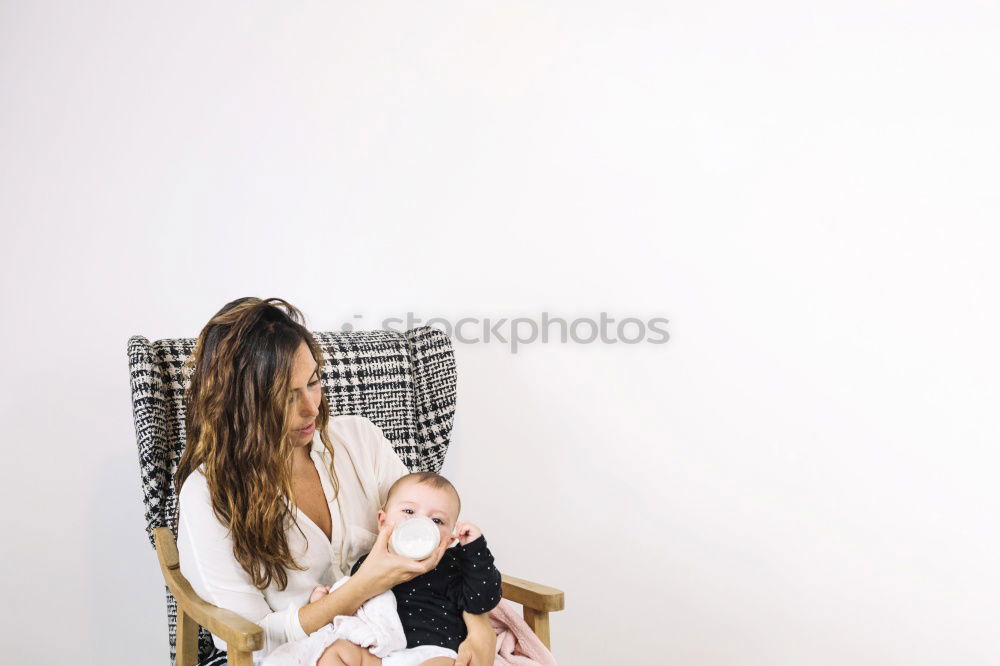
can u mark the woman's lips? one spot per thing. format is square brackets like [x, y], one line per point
[308, 429]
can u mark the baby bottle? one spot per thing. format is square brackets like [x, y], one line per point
[415, 537]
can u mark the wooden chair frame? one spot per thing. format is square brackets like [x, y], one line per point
[244, 637]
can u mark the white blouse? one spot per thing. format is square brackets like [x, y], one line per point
[366, 465]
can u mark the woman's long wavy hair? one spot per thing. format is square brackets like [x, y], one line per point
[237, 428]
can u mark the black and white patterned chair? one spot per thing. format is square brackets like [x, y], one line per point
[403, 382]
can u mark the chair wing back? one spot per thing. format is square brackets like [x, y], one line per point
[404, 382]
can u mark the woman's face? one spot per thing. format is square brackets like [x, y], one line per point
[303, 404]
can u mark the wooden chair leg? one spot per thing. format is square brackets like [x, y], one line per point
[187, 639]
[539, 623]
[239, 658]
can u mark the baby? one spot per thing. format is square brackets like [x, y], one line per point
[430, 606]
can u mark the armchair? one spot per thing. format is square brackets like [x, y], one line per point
[403, 382]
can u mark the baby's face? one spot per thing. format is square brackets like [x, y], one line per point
[421, 499]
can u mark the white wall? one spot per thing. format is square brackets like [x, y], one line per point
[804, 474]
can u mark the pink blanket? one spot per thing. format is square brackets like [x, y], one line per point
[517, 645]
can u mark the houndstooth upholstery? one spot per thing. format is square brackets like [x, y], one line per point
[403, 382]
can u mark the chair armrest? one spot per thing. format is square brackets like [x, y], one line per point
[238, 632]
[531, 595]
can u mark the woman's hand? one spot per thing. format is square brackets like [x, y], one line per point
[480, 647]
[383, 569]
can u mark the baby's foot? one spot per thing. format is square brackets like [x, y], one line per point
[319, 593]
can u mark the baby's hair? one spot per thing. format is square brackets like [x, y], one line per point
[432, 479]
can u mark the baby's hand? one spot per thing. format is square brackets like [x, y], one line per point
[319, 593]
[466, 532]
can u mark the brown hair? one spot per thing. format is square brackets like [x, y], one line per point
[432, 479]
[237, 430]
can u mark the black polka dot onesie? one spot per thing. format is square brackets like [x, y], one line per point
[430, 606]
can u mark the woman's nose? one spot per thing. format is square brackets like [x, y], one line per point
[309, 409]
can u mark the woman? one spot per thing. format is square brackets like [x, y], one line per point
[276, 497]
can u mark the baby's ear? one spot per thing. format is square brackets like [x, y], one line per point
[381, 517]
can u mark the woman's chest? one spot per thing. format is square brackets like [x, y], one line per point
[311, 500]
[335, 516]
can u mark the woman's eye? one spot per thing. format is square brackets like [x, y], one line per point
[313, 383]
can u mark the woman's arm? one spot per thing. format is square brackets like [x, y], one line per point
[345, 600]
[205, 549]
[480, 648]
[380, 570]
